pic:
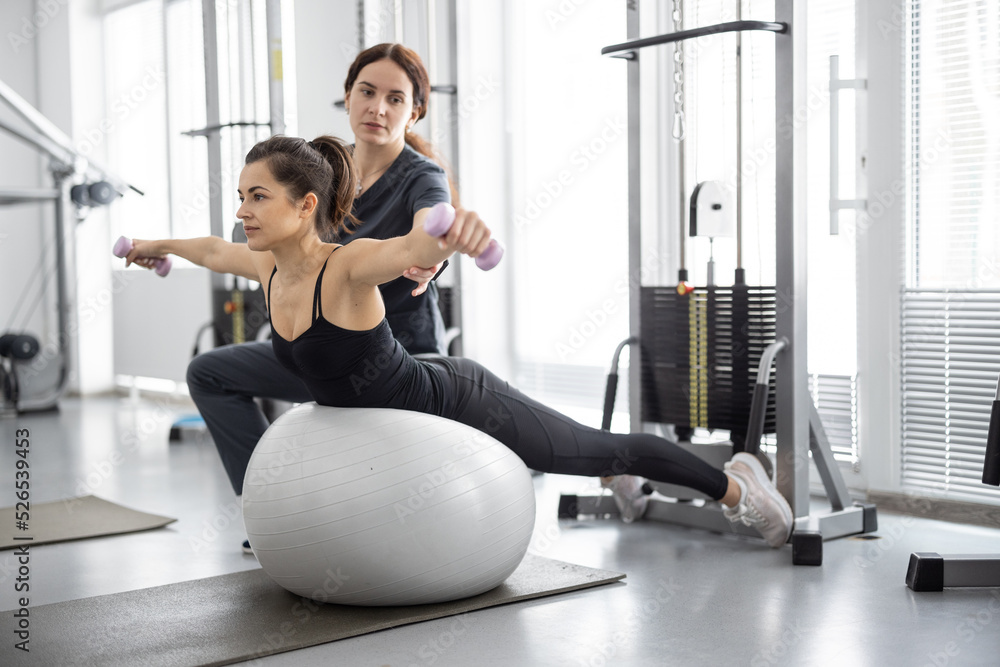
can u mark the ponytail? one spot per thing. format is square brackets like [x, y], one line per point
[344, 185]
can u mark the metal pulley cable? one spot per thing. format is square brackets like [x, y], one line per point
[679, 134]
[739, 146]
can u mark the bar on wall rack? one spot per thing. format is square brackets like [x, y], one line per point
[681, 35]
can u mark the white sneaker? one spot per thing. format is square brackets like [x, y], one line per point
[629, 495]
[761, 506]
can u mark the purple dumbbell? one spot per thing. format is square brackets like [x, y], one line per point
[123, 246]
[439, 221]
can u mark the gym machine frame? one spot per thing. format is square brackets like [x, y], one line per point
[70, 173]
[797, 423]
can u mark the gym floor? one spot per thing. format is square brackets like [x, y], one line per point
[690, 597]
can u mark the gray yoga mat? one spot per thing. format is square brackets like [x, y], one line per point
[76, 519]
[245, 615]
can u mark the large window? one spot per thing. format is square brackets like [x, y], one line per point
[570, 210]
[951, 298]
[156, 135]
[571, 182]
[155, 76]
[135, 136]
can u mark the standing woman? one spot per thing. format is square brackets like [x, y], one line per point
[386, 94]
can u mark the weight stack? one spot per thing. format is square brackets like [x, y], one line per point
[238, 315]
[700, 353]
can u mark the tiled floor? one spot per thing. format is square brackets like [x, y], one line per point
[690, 597]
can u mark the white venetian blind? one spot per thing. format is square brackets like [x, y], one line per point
[950, 347]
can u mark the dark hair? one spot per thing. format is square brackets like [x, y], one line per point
[409, 62]
[323, 166]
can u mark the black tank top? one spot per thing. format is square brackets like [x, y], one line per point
[346, 368]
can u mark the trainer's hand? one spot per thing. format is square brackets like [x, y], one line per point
[422, 277]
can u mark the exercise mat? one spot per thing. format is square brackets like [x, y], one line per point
[76, 519]
[241, 616]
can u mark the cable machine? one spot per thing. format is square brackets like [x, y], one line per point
[704, 355]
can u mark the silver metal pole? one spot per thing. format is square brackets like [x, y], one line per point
[168, 95]
[682, 207]
[65, 280]
[275, 67]
[361, 24]
[213, 119]
[634, 222]
[739, 139]
[680, 136]
[247, 78]
[792, 399]
[432, 61]
[834, 144]
[65, 151]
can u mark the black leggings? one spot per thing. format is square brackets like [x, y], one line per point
[548, 441]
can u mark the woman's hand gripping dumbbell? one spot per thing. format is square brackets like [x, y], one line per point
[439, 222]
[124, 246]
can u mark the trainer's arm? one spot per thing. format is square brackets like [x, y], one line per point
[211, 252]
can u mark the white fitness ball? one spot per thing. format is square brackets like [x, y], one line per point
[375, 506]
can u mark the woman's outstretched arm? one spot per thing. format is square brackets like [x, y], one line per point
[211, 252]
[373, 262]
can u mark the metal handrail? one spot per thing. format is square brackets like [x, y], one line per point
[731, 26]
[205, 131]
[48, 138]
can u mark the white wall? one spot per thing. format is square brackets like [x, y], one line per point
[157, 319]
[326, 39]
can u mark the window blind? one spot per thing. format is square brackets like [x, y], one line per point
[836, 399]
[950, 364]
[954, 143]
[950, 306]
